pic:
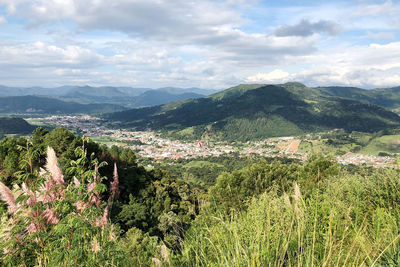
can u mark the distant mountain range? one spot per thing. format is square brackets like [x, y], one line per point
[45, 105]
[257, 111]
[128, 97]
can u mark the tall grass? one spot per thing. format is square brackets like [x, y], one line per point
[349, 220]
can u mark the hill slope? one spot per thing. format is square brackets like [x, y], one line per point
[43, 105]
[257, 111]
[385, 97]
[15, 126]
[159, 97]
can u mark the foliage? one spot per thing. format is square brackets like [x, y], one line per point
[155, 202]
[141, 249]
[233, 190]
[202, 172]
[54, 223]
[247, 212]
[349, 220]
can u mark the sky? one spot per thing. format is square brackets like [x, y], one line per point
[211, 44]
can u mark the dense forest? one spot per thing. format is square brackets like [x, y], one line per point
[67, 201]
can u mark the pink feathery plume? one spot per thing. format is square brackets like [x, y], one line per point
[7, 196]
[81, 205]
[50, 216]
[114, 185]
[104, 219]
[91, 187]
[76, 182]
[53, 167]
[32, 228]
[31, 201]
[49, 192]
[95, 199]
[97, 222]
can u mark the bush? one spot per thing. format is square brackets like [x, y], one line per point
[55, 223]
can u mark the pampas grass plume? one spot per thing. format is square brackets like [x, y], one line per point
[114, 185]
[7, 196]
[53, 167]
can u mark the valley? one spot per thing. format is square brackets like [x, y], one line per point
[345, 148]
[226, 133]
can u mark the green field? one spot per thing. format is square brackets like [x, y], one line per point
[321, 146]
[361, 143]
[386, 143]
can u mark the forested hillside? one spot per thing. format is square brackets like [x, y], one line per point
[15, 126]
[248, 112]
[94, 205]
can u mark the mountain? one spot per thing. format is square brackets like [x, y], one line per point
[195, 90]
[71, 90]
[23, 91]
[385, 97]
[95, 95]
[257, 111]
[15, 126]
[124, 96]
[159, 97]
[43, 105]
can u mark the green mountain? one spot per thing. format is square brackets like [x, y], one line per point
[159, 97]
[123, 96]
[257, 111]
[385, 97]
[145, 99]
[15, 126]
[43, 105]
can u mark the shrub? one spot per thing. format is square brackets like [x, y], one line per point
[54, 223]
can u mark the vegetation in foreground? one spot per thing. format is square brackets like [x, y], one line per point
[263, 214]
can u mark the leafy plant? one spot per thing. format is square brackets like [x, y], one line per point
[52, 222]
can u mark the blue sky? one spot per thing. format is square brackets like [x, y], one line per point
[209, 44]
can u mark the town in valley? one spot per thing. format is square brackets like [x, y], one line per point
[150, 144]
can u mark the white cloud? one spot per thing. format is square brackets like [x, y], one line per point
[211, 27]
[3, 20]
[276, 75]
[385, 9]
[365, 66]
[202, 43]
[39, 54]
[380, 35]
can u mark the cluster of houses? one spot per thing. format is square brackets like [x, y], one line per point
[151, 145]
[368, 160]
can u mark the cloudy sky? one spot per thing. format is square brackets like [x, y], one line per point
[202, 43]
